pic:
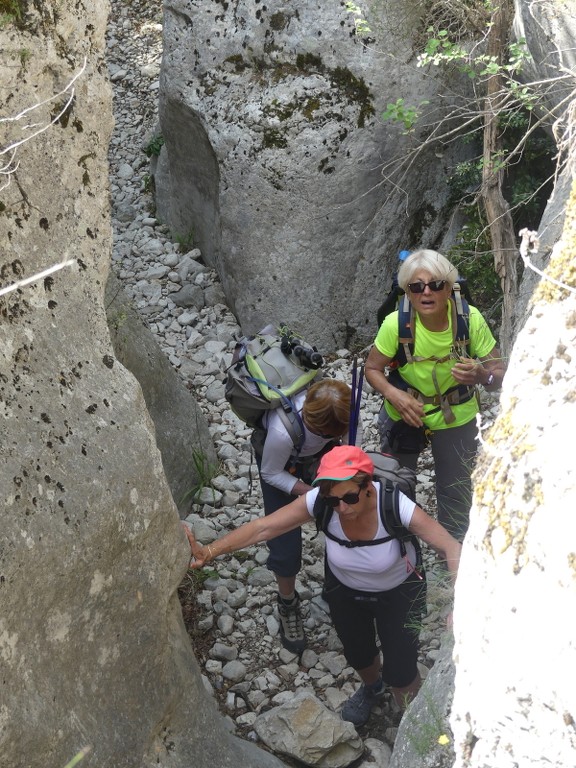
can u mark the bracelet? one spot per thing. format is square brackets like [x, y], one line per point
[209, 548]
[489, 380]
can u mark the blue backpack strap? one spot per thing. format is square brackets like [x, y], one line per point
[405, 332]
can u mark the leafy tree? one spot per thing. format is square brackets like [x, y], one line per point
[492, 109]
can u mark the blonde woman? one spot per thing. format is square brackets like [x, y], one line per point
[430, 393]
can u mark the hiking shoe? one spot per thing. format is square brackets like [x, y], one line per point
[291, 627]
[358, 707]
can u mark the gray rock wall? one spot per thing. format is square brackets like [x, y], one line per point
[514, 642]
[93, 651]
[275, 156]
[550, 33]
[180, 426]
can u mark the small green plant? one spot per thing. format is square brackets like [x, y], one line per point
[185, 242]
[440, 49]
[426, 735]
[152, 149]
[241, 555]
[78, 757]
[24, 56]
[148, 183]
[204, 471]
[401, 113]
[11, 12]
[360, 23]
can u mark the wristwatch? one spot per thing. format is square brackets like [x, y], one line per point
[489, 380]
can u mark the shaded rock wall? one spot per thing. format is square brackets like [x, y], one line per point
[93, 650]
[180, 426]
[274, 155]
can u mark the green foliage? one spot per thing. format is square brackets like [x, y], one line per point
[185, 242]
[360, 23]
[440, 49]
[204, 471]
[152, 149]
[148, 183]
[425, 734]
[24, 55]
[11, 12]
[78, 757]
[401, 113]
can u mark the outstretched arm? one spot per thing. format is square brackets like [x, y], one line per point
[437, 537]
[262, 529]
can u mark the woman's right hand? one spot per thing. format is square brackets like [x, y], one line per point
[200, 554]
[411, 410]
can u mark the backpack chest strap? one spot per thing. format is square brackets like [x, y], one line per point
[350, 544]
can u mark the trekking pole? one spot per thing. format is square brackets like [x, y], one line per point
[358, 400]
[351, 425]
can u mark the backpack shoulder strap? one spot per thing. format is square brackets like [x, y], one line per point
[293, 424]
[389, 512]
[405, 349]
[460, 320]
[390, 516]
[322, 514]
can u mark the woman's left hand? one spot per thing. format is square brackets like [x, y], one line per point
[466, 371]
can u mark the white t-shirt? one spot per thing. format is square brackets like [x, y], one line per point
[374, 568]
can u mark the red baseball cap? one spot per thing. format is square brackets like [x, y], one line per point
[342, 463]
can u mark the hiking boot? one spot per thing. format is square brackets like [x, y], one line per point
[358, 707]
[291, 627]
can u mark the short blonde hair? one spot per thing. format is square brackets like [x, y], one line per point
[326, 408]
[430, 261]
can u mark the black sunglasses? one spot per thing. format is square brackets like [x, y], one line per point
[348, 498]
[419, 287]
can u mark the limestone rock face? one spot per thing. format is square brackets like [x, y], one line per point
[93, 651]
[424, 737]
[180, 426]
[277, 159]
[550, 33]
[517, 573]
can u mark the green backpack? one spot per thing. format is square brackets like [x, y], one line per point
[267, 370]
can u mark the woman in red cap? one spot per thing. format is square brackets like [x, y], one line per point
[370, 589]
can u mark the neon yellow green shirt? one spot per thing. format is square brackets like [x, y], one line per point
[435, 344]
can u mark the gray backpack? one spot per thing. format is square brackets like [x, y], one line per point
[267, 370]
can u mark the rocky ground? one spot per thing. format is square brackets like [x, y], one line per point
[229, 608]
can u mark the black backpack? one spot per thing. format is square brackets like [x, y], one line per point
[393, 478]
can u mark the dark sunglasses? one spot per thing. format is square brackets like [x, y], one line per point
[348, 498]
[420, 287]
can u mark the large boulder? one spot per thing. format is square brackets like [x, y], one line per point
[94, 654]
[276, 157]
